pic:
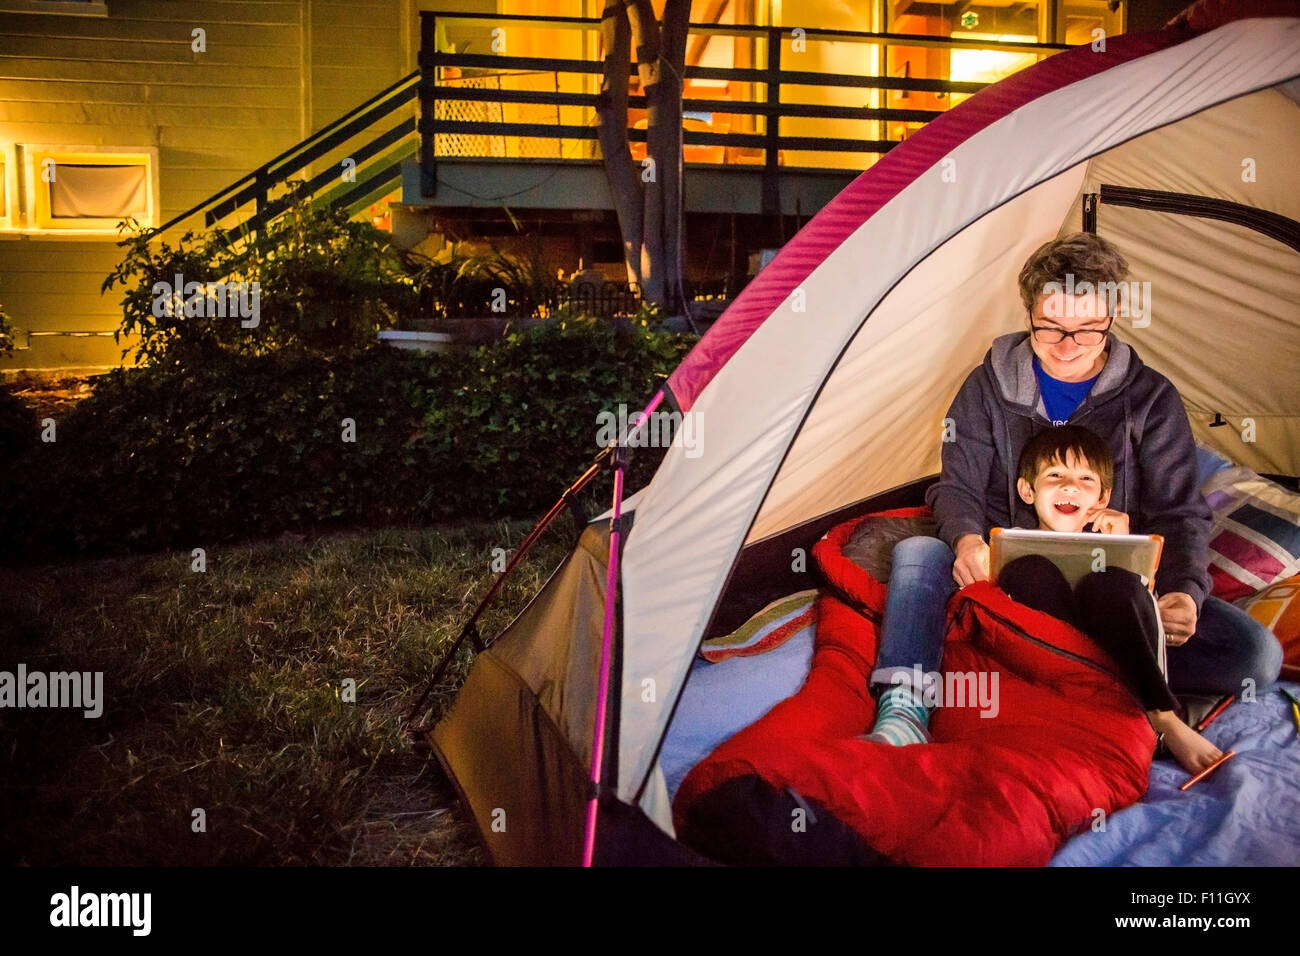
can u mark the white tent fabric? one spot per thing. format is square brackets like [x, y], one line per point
[879, 422]
[965, 294]
[1247, 298]
[694, 518]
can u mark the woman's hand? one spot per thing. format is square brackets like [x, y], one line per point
[972, 562]
[1108, 521]
[1178, 615]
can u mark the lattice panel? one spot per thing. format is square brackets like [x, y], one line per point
[539, 113]
[469, 144]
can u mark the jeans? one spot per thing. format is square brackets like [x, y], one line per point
[912, 633]
[1227, 648]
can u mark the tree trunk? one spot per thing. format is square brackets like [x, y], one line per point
[611, 112]
[646, 46]
[649, 205]
[676, 20]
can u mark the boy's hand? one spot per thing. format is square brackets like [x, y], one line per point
[972, 562]
[1108, 521]
[1178, 615]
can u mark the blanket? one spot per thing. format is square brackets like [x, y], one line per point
[1048, 745]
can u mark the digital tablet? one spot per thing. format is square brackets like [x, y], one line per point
[1078, 553]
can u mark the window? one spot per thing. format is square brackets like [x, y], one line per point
[996, 22]
[89, 190]
[1082, 18]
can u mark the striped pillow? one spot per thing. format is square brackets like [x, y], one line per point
[1255, 539]
[766, 630]
[1277, 607]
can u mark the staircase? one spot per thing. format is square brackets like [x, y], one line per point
[366, 148]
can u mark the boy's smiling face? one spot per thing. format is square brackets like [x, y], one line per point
[1064, 494]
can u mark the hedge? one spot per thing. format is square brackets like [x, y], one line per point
[242, 446]
[18, 433]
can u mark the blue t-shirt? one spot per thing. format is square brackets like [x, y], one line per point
[1060, 399]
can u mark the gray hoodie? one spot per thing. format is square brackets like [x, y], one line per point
[1136, 409]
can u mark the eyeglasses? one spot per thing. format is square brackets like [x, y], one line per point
[1084, 338]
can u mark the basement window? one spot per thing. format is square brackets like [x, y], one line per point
[89, 191]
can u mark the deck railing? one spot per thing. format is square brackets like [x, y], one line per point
[383, 132]
[443, 74]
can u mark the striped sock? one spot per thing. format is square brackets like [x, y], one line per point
[901, 718]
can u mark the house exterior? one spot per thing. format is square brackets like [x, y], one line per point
[149, 108]
[153, 106]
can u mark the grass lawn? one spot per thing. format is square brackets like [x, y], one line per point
[221, 693]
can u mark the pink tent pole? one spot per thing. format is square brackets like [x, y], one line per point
[607, 635]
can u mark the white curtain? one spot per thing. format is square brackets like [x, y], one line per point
[99, 192]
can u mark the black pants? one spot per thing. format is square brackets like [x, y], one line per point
[1112, 607]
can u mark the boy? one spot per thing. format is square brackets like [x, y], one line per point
[1066, 473]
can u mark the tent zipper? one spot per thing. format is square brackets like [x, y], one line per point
[1281, 228]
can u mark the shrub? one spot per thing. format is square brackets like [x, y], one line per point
[18, 432]
[6, 334]
[246, 446]
[483, 285]
[323, 283]
[173, 455]
[329, 283]
[524, 423]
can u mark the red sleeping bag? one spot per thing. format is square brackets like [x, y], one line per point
[1068, 744]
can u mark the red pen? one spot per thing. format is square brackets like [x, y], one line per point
[1219, 708]
[1209, 770]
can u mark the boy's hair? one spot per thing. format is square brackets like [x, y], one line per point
[1063, 443]
[1087, 257]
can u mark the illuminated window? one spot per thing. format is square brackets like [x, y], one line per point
[84, 190]
[1085, 21]
[716, 51]
[997, 21]
[988, 66]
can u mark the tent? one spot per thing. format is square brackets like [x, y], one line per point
[822, 389]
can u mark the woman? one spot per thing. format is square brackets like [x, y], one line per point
[1064, 367]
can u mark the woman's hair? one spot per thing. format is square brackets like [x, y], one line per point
[1063, 443]
[1087, 257]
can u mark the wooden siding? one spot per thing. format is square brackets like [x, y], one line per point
[273, 72]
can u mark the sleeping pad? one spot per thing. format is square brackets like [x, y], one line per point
[1047, 742]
